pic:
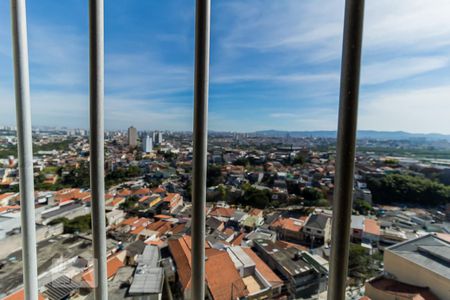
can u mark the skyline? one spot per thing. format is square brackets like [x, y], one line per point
[274, 65]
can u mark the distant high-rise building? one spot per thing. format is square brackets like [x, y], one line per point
[157, 137]
[147, 144]
[132, 137]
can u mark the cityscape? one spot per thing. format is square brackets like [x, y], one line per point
[224, 150]
[268, 215]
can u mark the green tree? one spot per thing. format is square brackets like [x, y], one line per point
[76, 225]
[399, 188]
[298, 159]
[360, 262]
[214, 175]
[256, 198]
[362, 206]
[311, 193]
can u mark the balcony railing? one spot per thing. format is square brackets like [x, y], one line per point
[346, 138]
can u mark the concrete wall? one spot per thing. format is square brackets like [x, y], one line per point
[14, 243]
[411, 273]
[70, 215]
[376, 294]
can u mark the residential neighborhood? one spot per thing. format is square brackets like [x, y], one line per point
[269, 215]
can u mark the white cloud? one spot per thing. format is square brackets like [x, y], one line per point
[399, 68]
[287, 78]
[413, 110]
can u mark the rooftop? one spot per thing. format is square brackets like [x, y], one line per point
[429, 251]
[147, 280]
[403, 290]
[284, 257]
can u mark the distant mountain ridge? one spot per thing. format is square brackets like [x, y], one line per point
[364, 134]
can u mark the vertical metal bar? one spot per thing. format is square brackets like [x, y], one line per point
[346, 141]
[25, 147]
[96, 80]
[200, 142]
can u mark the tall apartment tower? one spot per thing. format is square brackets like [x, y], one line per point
[132, 137]
[147, 145]
[157, 137]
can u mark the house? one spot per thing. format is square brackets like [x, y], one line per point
[305, 276]
[260, 280]
[5, 198]
[173, 202]
[237, 218]
[133, 250]
[371, 232]
[357, 228]
[214, 224]
[148, 277]
[252, 222]
[223, 281]
[115, 203]
[289, 228]
[423, 262]
[256, 212]
[115, 217]
[317, 229]
[222, 213]
[113, 264]
[260, 233]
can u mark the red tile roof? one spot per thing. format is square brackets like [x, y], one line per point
[144, 198]
[162, 217]
[159, 190]
[160, 226]
[20, 295]
[222, 278]
[255, 212]
[222, 212]
[124, 193]
[237, 241]
[290, 224]
[143, 191]
[112, 265]
[228, 231]
[5, 195]
[9, 207]
[65, 195]
[371, 226]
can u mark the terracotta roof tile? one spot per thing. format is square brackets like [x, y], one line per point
[237, 241]
[223, 279]
[112, 265]
[222, 212]
[221, 274]
[20, 295]
[371, 226]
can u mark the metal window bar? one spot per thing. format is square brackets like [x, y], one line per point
[346, 141]
[25, 147]
[97, 171]
[200, 143]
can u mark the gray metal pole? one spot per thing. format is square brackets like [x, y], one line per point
[200, 141]
[25, 147]
[346, 141]
[96, 68]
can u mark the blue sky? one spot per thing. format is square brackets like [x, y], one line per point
[274, 64]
